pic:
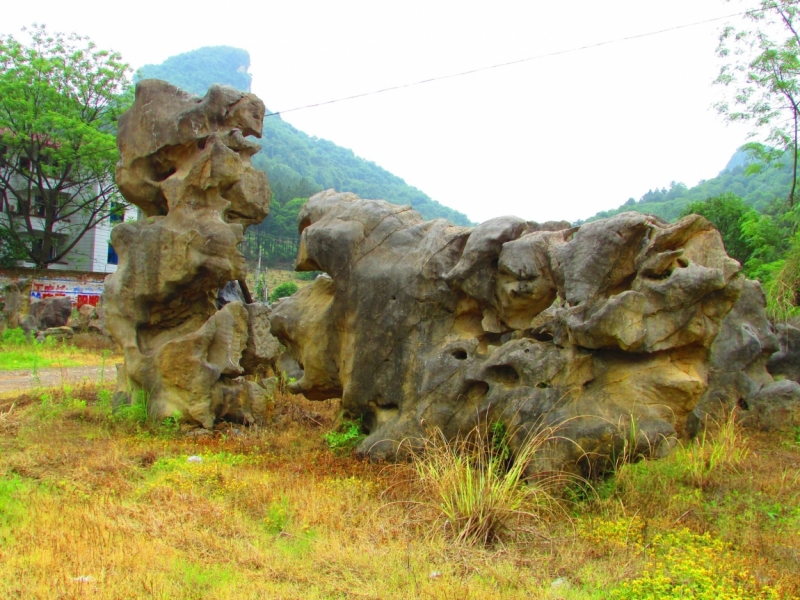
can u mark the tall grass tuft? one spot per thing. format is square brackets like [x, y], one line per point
[719, 445]
[479, 490]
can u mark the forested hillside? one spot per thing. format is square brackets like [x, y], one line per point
[195, 71]
[757, 189]
[297, 165]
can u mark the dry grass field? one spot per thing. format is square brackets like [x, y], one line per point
[101, 505]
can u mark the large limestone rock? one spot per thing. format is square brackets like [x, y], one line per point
[741, 364]
[606, 330]
[185, 162]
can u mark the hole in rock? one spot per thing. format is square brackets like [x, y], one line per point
[658, 276]
[539, 335]
[683, 262]
[542, 385]
[477, 390]
[201, 144]
[742, 403]
[460, 354]
[624, 285]
[504, 374]
[162, 175]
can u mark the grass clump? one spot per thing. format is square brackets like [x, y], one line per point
[719, 445]
[480, 491]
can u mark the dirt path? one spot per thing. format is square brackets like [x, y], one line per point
[24, 380]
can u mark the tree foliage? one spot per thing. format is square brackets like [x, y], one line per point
[761, 66]
[726, 213]
[60, 97]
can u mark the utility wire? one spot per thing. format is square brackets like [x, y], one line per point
[507, 64]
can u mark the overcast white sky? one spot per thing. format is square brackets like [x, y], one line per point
[560, 137]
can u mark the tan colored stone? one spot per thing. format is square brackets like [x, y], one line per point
[185, 161]
[602, 330]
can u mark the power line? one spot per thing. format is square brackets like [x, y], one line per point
[507, 64]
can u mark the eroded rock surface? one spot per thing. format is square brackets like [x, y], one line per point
[185, 162]
[604, 330]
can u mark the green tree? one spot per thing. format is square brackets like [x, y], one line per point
[60, 98]
[11, 251]
[727, 213]
[761, 65]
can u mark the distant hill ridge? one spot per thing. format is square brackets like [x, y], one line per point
[296, 164]
[758, 190]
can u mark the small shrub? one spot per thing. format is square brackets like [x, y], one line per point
[287, 288]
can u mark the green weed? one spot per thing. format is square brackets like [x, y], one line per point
[137, 412]
[277, 517]
[12, 505]
[203, 579]
[13, 338]
[683, 564]
[171, 425]
[346, 437]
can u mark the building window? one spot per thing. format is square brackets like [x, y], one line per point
[117, 213]
[112, 259]
[39, 245]
[37, 206]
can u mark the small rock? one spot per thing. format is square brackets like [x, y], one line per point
[198, 432]
[59, 333]
[84, 579]
[435, 574]
[195, 459]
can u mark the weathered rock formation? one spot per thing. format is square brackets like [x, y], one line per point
[14, 307]
[51, 312]
[607, 330]
[185, 162]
